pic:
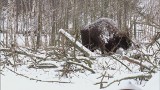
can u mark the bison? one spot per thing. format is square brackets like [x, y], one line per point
[104, 34]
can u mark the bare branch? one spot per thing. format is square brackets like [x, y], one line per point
[22, 53]
[154, 39]
[136, 62]
[36, 79]
[87, 68]
[126, 78]
[121, 63]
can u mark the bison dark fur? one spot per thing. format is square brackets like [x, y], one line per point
[118, 42]
[104, 34]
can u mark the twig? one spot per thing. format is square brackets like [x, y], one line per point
[101, 83]
[121, 63]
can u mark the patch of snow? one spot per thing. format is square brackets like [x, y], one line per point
[153, 83]
[13, 82]
[128, 85]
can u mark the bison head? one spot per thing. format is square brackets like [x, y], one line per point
[119, 40]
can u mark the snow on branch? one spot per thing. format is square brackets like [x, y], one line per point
[133, 76]
[138, 63]
[78, 45]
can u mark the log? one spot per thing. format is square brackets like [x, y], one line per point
[77, 44]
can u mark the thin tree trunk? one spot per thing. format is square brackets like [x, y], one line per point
[38, 43]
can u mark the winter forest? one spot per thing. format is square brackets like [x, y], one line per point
[42, 46]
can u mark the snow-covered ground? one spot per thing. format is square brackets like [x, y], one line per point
[79, 80]
[153, 83]
[13, 81]
[10, 81]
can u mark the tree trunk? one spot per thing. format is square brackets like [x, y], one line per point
[39, 30]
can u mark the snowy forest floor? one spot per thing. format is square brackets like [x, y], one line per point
[22, 68]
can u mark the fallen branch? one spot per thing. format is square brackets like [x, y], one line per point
[136, 62]
[43, 66]
[77, 44]
[36, 79]
[85, 67]
[22, 53]
[121, 63]
[126, 78]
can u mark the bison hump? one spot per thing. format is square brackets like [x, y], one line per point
[106, 26]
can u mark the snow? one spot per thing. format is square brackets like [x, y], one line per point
[13, 82]
[153, 83]
[86, 80]
[79, 80]
[129, 85]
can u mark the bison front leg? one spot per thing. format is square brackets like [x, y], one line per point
[101, 44]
